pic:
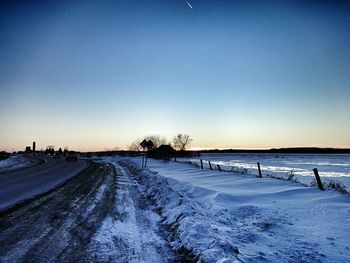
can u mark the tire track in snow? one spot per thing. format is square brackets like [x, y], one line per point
[134, 229]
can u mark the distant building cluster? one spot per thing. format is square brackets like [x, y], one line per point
[50, 149]
[30, 150]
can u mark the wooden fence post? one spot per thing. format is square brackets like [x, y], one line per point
[211, 168]
[260, 174]
[318, 179]
[143, 159]
[146, 160]
[219, 167]
[202, 164]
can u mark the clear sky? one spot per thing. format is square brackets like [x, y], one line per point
[93, 75]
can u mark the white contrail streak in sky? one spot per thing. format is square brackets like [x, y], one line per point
[189, 5]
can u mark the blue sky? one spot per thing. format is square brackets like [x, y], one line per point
[93, 75]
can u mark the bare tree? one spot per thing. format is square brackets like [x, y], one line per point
[156, 139]
[50, 149]
[135, 146]
[181, 141]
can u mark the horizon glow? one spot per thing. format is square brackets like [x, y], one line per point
[95, 75]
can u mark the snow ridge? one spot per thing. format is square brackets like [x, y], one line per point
[213, 217]
[14, 162]
[131, 234]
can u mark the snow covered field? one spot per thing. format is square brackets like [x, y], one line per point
[221, 217]
[331, 167]
[176, 212]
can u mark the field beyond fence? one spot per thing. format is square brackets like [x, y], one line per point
[312, 171]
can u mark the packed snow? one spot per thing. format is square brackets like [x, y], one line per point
[214, 216]
[133, 227]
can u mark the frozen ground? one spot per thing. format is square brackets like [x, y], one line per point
[101, 215]
[331, 167]
[14, 162]
[175, 212]
[220, 217]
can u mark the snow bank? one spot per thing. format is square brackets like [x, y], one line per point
[215, 217]
[130, 233]
[14, 162]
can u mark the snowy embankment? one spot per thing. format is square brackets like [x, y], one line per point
[334, 169]
[131, 233]
[14, 162]
[220, 217]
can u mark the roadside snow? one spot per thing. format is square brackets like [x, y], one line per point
[131, 233]
[216, 217]
[14, 162]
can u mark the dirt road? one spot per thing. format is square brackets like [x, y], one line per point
[99, 216]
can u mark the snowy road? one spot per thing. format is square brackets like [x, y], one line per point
[102, 215]
[19, 185]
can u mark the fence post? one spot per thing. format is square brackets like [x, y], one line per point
[143, 159]
[318, 179]
[211, 168]
[260, 174]
[146, 161]
[219, 167]
[202, 164]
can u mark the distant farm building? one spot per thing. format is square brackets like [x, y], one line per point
[164, 152]
[28, 149]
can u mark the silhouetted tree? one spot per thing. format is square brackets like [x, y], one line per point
[135, 146]
[156, 139]
[50, 149]
[60, 151]
[181, 141]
